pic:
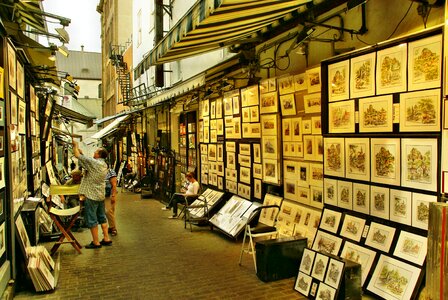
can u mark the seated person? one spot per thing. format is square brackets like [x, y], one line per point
[191, 189]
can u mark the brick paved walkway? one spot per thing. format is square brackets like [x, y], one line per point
[154, 257]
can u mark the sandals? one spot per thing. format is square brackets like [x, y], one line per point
[93, 246]
[106, 243]
[113, 231]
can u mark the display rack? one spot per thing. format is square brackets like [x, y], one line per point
[165, 174]
[187, 142]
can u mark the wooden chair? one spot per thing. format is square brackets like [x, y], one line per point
[260, 230]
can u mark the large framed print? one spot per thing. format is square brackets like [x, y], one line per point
[380, 237]
[334, 157]
[379, 202]
[330, 220]
[361, 198]
[419, 163]
[393, 279]
[345, 194]
[341, 117]
[325, 242]
[269, 103]
[362, 77]
[338, 81]
[271, 171]
[420, 209]
[330, 191]
[352, 227]
[365, 257]
[400, 206]
[411, 247]
[385, 161]
[313, 80]
[303, 284]
[391, 67]
[269, 124]
[288, 105]
[320, 266]
[420, 111]
[425, 63]
[375, 114]
[312, 103]
[307, 261]
[357, 162]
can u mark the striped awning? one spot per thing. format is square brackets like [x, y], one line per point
[213, 24]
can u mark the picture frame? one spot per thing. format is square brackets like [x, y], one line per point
[300, 83]
[269, 103]
[411, 247]
[319, 266]
[331, 192]
[365, 257]
[205, 108]
[290, 189]
[257, 152]
[318, 148]
[2, 142]
[236, 104]
[338, 81]
[296, 129]
[362, 76]
[353, 227]
[380, 237]
[330, 220]
[211, 152]
[218, 107]
[257, 188]
[361, 198]
[220, 152]
[420, 209]
[286, 130]
[316, 172]
[313, 81]
[237, 127]
[317, 196]
[420, 111]
[379, 202]
[375, 114]
[249, 95]
[285, 85]
[2, 83]
[304, 173]
[228, 106]
[230, 146]
[391, 69]
[306, 263]
[21, 117]
[271, 171]
[290, 169]
[341, 117]
[325, 292]
[334, 273]
[257, 171]
[14, 108]
[306, 126]
[312, 103]
[244, 149]
[303, 195]
[269, 124]
[2, 113]
[400, 207]
[12, 66]
[288, 105]
[219, 126]
[213, 136]
[269, 146]
[328, 243]
[245, 111]
[385, 161]
[245, 175]
[308, 147]
[316, 125]
[334, 157]
[231, 160]
[244, 160]
[357, 163]
[2, 172]
[20, 80]
[345, 194]
[303, 284]
[419, 163]
[403, 276]
[264, 86]
[254, 114]
[425, 63]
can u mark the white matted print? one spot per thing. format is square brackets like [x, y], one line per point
[411, 247]
[303, 283]
[290, 189]
[338, 81]
[334, 157]
[361, 255]
[313, 80]
[375, 114]
[420, 111]
[271, 171]
[325, 292]
[285, 85]
[320, 266]
[286, 130]
[269, 124]
[307, 261]
[330, 220]
[300, 83]
[420, 209]
[345, 194]
[353, 227]
[257, 188]
[361, 198]
[334, 274]
[312, 103]
[288, 105]
[316, 199]
[330, 191]
[325, 242]
[269, 103]
[385, 161]
[391, 70]
[400, 206]
[362, 77]
[419, 163]
[357, 158]
[341, 117]
[379, 202]
[380, 236]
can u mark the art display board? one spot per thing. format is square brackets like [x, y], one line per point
[211, 197]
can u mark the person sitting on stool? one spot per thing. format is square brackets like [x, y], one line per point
[192, 189]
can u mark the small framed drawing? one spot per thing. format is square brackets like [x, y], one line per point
[236, 104]
[357, 163]
[244, 149]
[288, 105]
[249, 96]
[14, 110]
[2, 172]
[334, 273]
[304, 170]
[212, 152]
[411, 247]
[345, 194]
[365, 257]
[290, 169]
[385, 161]
[230, 146]
[245, 175]
[420, 209]
[316, 125]
[258, 171]
[425, 63]
[319, 148]
[254, 115]
[400, 206]
[308, 149]
[269, 124]
[20, 80]
[353, 227]
[290, 189]
[361, 198]
[338, 81]
[330, 191]
[303, 195]
[285, 85]
[325, 292]
[307, 261]
[325, 242]
[271, 171]
[264, 86]
[334, 158]
[312, 103]
[220, 127]
[316, 174]
[391, 67]
[246, 114]
[12, 66]
[255, 130]
[303, 283]
[296, 129]
[2, 142]
[380, 236]
[402, 279]
[300, 82]
[205, 108]
[320, 266]
[420, 111]
[379, 202]
[286, 130]
[231, 160]
[257, 188]
[218, 107]
[375, 114]
[212, 109]
[220, 183]
[2, 113]
[244, 160]
[330, 220]
[317, 197]
[419, 163]
[257, 152]
[341, 117]
[298, 149]
[270, 147]
[313, 80]
[362, 77]
[268, 103]
[228, 106]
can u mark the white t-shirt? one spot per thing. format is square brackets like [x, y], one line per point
[193, 188]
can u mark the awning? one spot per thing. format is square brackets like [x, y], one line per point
[64, 133]
[213, 24]
[73, 115]
[124, 113]
[109, 128]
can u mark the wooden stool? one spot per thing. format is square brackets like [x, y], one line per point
[65, 228]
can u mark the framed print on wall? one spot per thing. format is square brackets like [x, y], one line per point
[319, 148]
[12, 66]
[380, 236]
[218, 113]
[290, 169]
[269, 124]
[249, 96]
[338, 81]
[236, 104]
[308, 147]
[2, 113]
[420, 209]
[316, 174]
[334, 157]
[420, 111]
[270, 171]
[316, 125]
[257, 188]
[303, 174]
[254, 115]
[228, 106]
[2, 172]
[296, 129]
[375, 114]
[290, 189]
[245, 111]
[270, 147]
[411, 247]
[288, 105]
[20, 80]
[345, 194]
[341, 117]
[400, 206]
[21, 116]
[357, 162]
[257, 153]
[312, 103]
[362, 76]
[325, 242]
[313, 80]
[285, 85]
[353, 227]
[379, 202]
[361, 198]
[300, 82]
[385, 161]
[361, 255]
[320, 266]
[330, 220]
[330, 191]
[2, 142]
[258, 171]
[317, 196]
[286, 130]
[14, 109]
[391, 67]
[307, 261]
[269, 103]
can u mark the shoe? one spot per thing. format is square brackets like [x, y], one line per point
[93, 246]
[104, 243]
[166, 208]
[113, 232]
[172, 217]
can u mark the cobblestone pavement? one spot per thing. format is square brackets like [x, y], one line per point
[154, 257]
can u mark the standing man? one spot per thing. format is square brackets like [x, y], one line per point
[93, 187]
[111, 193]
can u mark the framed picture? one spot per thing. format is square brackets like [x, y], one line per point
[420, 209]
[20, 80]
[205, 108]
[303, 284]
[290, 189]
[419, 163]
[420, 111]
[269, 103]
[2, 83]
[320, 266]
[380, 236]
[14, 109]
[304, 195]
[230, 146]
[334, 158]
[357, 163]
[316, 125]
[269, 147]
[286, 130]
[298, 148]
[375, 114]
[213, 136]
[334, 273]
[271, 171]
[353, 227]
[2, 113]
[236, 104]
[245, 149]
[425, 63]
[245, 175]
[264, 86]
[325, 242]
[304, 174]
[365, 257]
[316, 174]
[379, 202]
[231, 160]
[385, 161]
[228, 106]
[288, 105]
[330, 220]
[254, 115]
[296, 129]
[21, 116]
[307, 261]
[318, 148]
[269, 124]
[317, 196]
[391, 67]
[345, 194]
[220, 127]
[258, 171]
[220, 152]
[290, 169]
[257, 188]
[361, 198]
[362, 77]
[212, 152]
[341, 117]
[400, 206]
[285, 85]
[308, 147]
[306, 127]
[312, 103]
[12, 66]
[338, 81]
[313, 80]
[2, 142]
[393, 277]
[300, 82]
[218, 108]
[2, 172]
[246, 114]
[325, 292]
[257, 153]
[249, 96]
[411, 247]
[331, 192]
